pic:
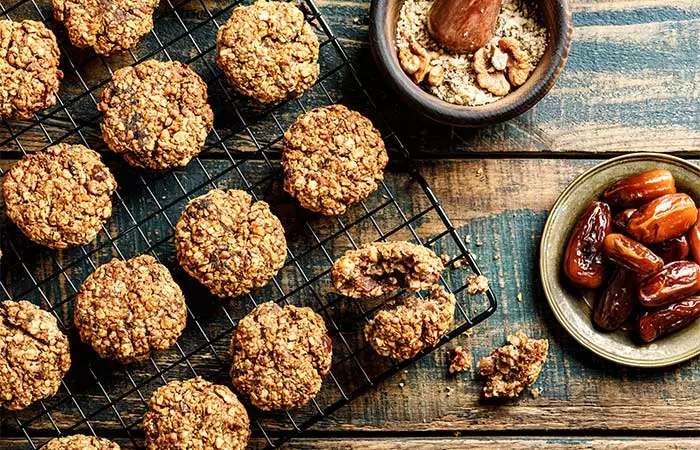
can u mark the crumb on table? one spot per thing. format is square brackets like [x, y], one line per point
[460, 360]
[477, 284]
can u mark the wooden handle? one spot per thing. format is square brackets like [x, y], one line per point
[463, 26]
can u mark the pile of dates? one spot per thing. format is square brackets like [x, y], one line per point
[640, 246]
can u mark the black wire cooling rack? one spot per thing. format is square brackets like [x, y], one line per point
[103, 398]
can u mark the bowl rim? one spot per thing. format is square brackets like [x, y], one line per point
[544, 262]
[464, 116]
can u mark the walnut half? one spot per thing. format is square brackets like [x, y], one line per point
[518, 66]
[415, 61]
[487, 76]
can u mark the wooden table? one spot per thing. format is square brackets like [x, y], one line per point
[632, 83]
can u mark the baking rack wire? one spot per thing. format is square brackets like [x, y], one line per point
[78, 127]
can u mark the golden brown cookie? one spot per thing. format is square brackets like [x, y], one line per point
[229, 244]
[406, 326]
[127, 309]
[268, 51]
[80, 442]
[280, 356]
[29, 75]
[510, 369]
[332, 158]
[156, 114]
[34, 354]
[380, 268]
[195, 415]
[60, 197]
[107, 26]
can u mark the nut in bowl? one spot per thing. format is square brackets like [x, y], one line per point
[625, 284]
[470, 63]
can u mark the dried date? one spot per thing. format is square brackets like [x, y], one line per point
[676, 249]
[583, 260]
[620, 219]
[630, 254]
[616, 302]
[640, 189]
[694, 241]
[662, 219]
[670, 319]
[675, 281]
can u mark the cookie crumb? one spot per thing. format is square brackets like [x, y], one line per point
[520, 297]
[468, 239]
[496, 257]
[535, 392]
[477, 284]
[510, 369]
[460, 360]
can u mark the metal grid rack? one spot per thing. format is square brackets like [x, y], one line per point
[103, 398]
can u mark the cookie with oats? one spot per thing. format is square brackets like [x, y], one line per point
[229, 243]
[34, 354]
[195, 415]
[332, 158]
[106, 26]
[268, 51]
[381, 268]
[508, 370]
[80, 442]
[60, 197]
[156, 114]
[126, 310]
[408, 325]
[29, 74]
[280, 356]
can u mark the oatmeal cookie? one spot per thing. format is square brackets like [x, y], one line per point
[268, 51]
[34, 354]
[406, 326]
[379, 268]
[280, 356]
[29, 75]
[229, 244]
[195, 415]
[107, 26]
[80, 442]
[156, 114]
[60, 197]
[510, 369]
[332, 158]
[127, 309]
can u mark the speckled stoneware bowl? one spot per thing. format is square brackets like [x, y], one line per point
[572, 307]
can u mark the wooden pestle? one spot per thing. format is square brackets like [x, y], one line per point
[463, 26]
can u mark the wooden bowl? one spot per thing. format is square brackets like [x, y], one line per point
[573, 307]
[384, 16]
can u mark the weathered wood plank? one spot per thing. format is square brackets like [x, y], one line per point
[486, 443]
[500, 206]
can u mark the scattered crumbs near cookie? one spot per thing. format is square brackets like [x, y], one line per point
[477, 284]
[520, 297]
[535, 392]
[496, 257]
[479, 243]
[448, 391]
[460, 360]
[457, 264]
[510, 369]
[516, 47]
[445, 258]
[468, 239]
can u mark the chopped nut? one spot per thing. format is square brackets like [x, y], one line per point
[499, 59]
[518, 67]
[415, 60]
[460, 360]
[410, 63]
[535, 392]
[436, 76]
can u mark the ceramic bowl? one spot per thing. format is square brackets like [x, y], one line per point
[382, 37]
[573, 307]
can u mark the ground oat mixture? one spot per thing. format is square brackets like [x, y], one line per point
[457, 81]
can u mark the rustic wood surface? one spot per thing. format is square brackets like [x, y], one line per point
[632, 83]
